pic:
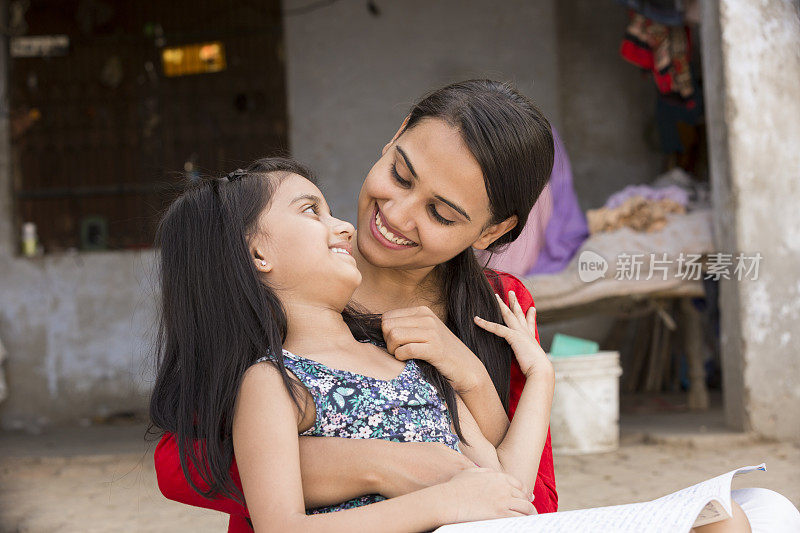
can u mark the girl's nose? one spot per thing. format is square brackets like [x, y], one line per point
[342, 228]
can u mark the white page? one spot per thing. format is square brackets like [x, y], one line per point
[715, 491]
[672, 513]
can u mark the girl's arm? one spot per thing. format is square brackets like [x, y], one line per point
[545, 488]
[521, 449]
[266, 445]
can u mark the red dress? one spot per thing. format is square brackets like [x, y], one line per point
[174, 486]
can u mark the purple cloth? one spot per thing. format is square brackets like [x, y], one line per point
[567, 228]
[648, 192]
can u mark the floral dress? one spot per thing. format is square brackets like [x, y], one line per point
[404, 409]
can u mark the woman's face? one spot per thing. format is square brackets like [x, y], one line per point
[307, 251]
[424, 201]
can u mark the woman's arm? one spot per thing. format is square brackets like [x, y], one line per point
[484, 403]
[266, 445]
[338, 469]
[333, 470]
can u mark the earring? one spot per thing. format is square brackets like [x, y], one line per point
[263, 263]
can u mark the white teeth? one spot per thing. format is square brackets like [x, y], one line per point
[340, 251]
[388, 234]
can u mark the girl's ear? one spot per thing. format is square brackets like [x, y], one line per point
[396, 135]
[494, 232]
[262, 265]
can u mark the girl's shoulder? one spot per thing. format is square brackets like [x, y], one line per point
[268, 358]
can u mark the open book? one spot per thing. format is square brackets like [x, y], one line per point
[698, 505]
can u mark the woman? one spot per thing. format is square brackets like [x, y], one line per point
[462, 172]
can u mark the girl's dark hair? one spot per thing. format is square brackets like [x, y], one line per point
[513, 144]
[218, 317]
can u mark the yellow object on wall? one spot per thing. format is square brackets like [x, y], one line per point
[199, 58]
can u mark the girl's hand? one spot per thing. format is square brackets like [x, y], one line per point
[417, 465]
[417, 333]
[484, 494]
[520, 332]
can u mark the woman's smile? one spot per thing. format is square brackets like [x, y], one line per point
[386, 235]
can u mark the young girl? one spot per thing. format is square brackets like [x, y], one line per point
[255, 264]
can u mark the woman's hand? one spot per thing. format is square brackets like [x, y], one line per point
[484, 494]
[417, 333]
[416, 465]
[520, 333]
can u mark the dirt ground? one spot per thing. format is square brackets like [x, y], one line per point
[100, 479]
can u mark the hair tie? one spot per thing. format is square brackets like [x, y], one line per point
[236, 174]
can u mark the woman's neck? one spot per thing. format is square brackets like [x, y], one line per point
[383, 289]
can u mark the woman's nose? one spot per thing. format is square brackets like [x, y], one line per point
[398, 213]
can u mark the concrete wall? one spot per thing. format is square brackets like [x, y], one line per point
[607, 107]
[78, 326]
[353, 77]
[753, 91]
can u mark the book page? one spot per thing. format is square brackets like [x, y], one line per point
[676, 512]
[717, 492]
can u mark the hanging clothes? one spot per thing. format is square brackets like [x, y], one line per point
[663, 50]
[567, 228]
[670, 112]
[667, 12]
[555, 228]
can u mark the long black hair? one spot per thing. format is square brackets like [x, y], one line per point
[513, 144]
[217, 317]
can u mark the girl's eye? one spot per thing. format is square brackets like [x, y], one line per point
[314, 209]
[403, 183]
[439, 218]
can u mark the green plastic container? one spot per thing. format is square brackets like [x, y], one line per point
[566, 346]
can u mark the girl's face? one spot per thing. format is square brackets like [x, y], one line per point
[307, 251]
[424, 201]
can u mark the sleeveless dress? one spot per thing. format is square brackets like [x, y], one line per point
[404, 409]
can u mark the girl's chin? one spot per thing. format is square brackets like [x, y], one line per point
[351, 283]
[340, 292]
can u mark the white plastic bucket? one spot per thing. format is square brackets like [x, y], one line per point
[585, 413]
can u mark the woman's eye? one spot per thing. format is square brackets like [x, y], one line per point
[314, 209]
[398, 179]
[406, 184]
[439, 218]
